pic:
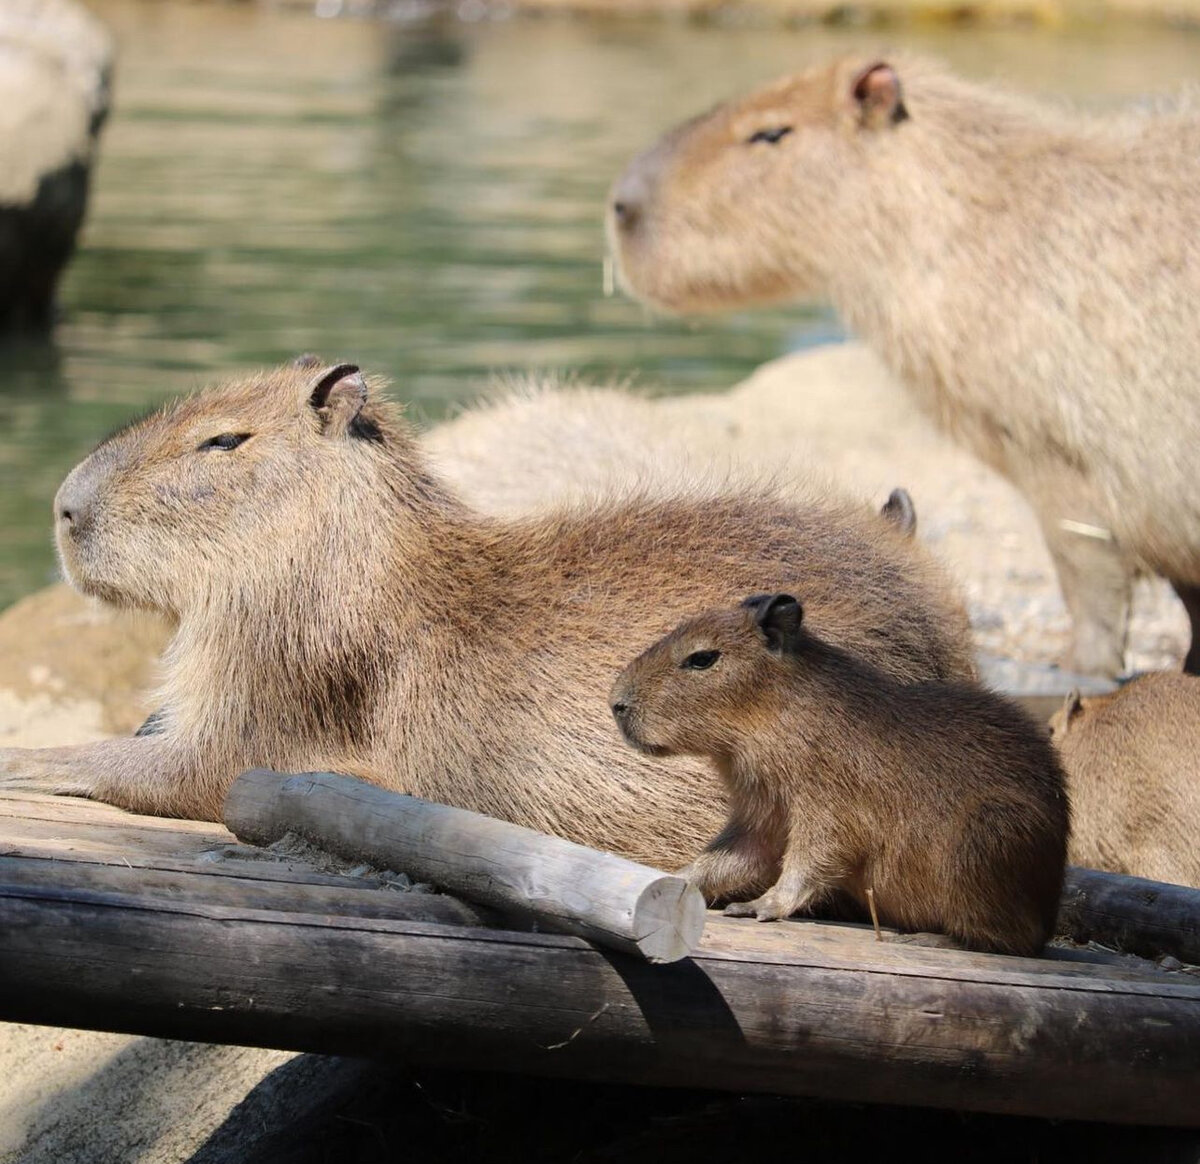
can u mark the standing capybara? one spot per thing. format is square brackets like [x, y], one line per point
[1029, 274]
[339, 608]
[1132, 760]
[943, 799]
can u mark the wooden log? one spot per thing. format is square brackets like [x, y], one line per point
[796, 1008]
[199, 889]
[1150, 918]
[528, 875]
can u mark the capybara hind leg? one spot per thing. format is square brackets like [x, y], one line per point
[1190, 597]
[741, 860]
[1097, 588]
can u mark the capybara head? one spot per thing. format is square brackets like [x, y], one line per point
[740, 205]
[696, 691]
[201, 489]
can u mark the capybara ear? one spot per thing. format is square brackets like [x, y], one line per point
[901, 512]
[877, 93]
[1072, 705]
[778, 617]
[307, 360]
[338, 396]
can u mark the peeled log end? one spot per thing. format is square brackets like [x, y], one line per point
[669, 918]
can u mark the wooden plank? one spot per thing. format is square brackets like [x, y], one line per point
[908, 1027]
[1144, 917]
[89, 840]
[347, 897]
[78, 811]
[536, 878]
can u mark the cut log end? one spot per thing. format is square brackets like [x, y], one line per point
[668, 919]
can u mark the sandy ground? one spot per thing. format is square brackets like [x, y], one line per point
[70, 671]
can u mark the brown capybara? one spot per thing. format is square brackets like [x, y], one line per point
[339, 608]
[1030, 274]
[946, 800]
[1132, 760]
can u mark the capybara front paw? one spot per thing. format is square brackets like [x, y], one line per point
[769, 907]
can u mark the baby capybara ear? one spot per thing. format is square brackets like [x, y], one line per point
[900, 511]
[338, 396]
[778, 616]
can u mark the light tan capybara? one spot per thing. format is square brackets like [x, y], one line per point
[946, 800]
[1133, 767]
[339, 608]
[1030, 274]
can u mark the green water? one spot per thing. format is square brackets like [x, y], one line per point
[424, 200]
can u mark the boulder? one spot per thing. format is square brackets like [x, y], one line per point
[55, 76]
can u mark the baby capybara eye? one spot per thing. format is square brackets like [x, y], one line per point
[700, 660]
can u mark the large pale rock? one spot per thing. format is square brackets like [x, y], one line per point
[55, 72]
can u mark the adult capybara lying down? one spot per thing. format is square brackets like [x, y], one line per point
[1030, 274]
[339, 608]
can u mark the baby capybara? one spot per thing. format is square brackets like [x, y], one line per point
[944, 799]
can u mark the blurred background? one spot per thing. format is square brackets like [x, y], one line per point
[419, 188]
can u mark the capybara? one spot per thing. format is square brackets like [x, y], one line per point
[1029, 273]
[945, 800]
[339, 608]
[1132, 760]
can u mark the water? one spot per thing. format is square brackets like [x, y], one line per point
[423, 200]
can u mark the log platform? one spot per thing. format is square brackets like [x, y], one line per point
[173, 928]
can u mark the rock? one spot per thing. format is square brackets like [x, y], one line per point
[72, 670]
[55, 74]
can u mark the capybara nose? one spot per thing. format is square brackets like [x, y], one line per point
[625, 213]
[629, 196]
[72, 510]
[72, 505]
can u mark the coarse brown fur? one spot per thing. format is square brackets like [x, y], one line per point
[1133, 767]
[946, 800]
[339, 608]
[1030, 274]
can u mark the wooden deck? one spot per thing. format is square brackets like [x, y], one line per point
[173, 928]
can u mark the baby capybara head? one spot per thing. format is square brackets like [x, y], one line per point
[204, 487]
[741, 204]
[697, 690]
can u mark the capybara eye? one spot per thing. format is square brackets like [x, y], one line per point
[226, 441]
[700, 660]
[771, 136]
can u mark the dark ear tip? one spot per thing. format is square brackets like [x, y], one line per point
[774, 608]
